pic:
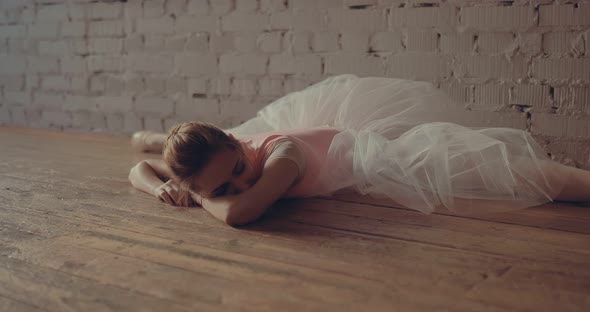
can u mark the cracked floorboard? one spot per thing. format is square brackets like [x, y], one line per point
[75, 236]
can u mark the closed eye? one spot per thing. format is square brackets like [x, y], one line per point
[239, 169]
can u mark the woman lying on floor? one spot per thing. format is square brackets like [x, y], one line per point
[380, 136]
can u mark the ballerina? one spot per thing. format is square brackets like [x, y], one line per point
[384, 137]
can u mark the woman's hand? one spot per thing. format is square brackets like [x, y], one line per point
[171, 193]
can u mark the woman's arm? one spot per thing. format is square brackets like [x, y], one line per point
[150, 176]
[277, 177]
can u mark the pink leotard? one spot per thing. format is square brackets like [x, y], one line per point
[309, 153]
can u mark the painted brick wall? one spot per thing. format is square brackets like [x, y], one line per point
[121, 66]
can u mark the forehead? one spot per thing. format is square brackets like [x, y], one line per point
[217, 171]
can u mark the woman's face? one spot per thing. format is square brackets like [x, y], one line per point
[229, 172]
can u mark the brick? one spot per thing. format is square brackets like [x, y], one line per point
[270, 42]
[52, 13]
[114, 85]
[22, 46]
[154, 43]
[529, 43]
[114, 64]
[221, 85]
[549, 124]
[245, 42]
[360, 3]
[12, 64]
[195, 65]
[298, 20]
[73, 65]
[158, 26]
[195, 43]
[533, 95]
[77, 46]
[295, 64]
[18, 116]
[155, 85]
[386, 42]
[564, 15]
[296, 41]
[483, 68]
[106, 28]
[354, 64]
[460, 93]
[105, 46]
[13, 31]
[221, 43]
[177, 7]
[187, 24]
[561, 69]
[197, 86]
[206, 110]
[325, 42]
[581, 99]
[52, 119]
[498, 17]
[48, 100]
[132, 9]
[42, 64]
[578, 127]
[153, 124]
[114, 104]
[154, 106]
[221, 7]
[11, 82]
[175, 85]
[77, 11]
[273, 5]
[16, 98]
[198, 7]
[270, 87]
[561, 43]
[153, 8]
[98, 83]
[79, 83]
[73, 29]
[148, 63]
[421, 40]
[243, 63]
[56, 83]
[316, 5]
[247, 5]
[491, 96]
[77, 103]
[132, 123]
[133, 44]
[32, 81]
[43, 30]
[441, 17]
[457, 43]
[419, 65]
[115, 122]
[354, 42]
[243, 87]
[238, 21]
[356, 20]
[110, 10]
[494, 43]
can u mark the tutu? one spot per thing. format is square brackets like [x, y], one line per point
[399, 140]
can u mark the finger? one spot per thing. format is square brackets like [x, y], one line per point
[167, 199]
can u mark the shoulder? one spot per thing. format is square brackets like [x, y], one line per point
[286, 147]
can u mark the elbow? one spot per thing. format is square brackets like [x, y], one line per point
[133, 173]
[236, 217]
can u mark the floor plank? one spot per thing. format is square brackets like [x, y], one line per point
[74, 235]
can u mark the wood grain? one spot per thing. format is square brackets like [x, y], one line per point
[74, 235]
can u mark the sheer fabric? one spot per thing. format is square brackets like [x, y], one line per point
[399, 139]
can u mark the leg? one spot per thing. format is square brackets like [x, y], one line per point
[148, 141]
[576, 187]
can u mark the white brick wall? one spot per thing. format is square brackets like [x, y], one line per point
[118, 67]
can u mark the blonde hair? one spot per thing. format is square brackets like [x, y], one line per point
[189, 146]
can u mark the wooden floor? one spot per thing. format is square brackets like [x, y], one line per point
[75, 236]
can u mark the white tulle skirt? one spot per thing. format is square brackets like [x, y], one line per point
[400, 140]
